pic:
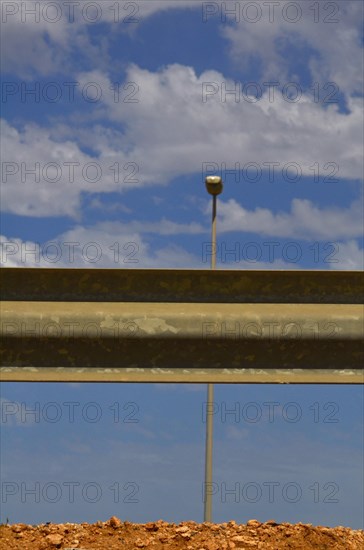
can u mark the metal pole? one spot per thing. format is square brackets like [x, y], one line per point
[208, 459]
[213, 233]
[214, 187]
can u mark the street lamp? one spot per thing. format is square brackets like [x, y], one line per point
[214, 186]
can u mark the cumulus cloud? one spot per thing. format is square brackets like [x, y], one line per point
[331, 34]
[111, 245]
[174, 116]
[118, 245]
[32, 163]
[305, 220]
[106, 245]
[350, 256]
[32, 43]
[40, 38]
[166, 133]
[179, 119]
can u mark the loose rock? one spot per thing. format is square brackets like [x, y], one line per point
[116, 534]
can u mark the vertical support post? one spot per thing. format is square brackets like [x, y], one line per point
[214, 187]
[213, 232]
[208, 458]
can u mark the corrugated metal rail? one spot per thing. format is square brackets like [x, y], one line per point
[152, 325]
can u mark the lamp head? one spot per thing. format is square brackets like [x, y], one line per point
[214, 185]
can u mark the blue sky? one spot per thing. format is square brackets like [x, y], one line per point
[291, 453]
[109, 127]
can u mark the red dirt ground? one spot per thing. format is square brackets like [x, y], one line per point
[115, 534]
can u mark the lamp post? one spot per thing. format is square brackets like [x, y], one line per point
[214, 186]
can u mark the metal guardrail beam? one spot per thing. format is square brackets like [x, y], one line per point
[182, 285]
[187, 325]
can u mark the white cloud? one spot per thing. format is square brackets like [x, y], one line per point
[31, 42]
[305, 220]
[117, 245]
[335, 47]
[113, 245]
[172, 132]
[107, 245]
[41, 37]
[331, 35]
[33, 149]
[350, 256]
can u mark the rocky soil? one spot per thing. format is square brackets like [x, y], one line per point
[115, 534]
